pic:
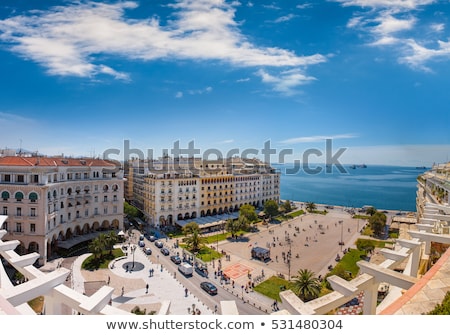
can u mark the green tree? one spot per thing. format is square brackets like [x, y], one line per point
[194, 240]
[310, 206]
[234, 226]
[371, 211]
[287, 206]
[130, 210]
[378, 222]
[190, 228]
[443, 308]
[248, 211]
[306, 285]
[271, 208]
[96, 246]
[111, 239]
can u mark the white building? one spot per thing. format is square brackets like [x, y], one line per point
[169, 191]
[55, 202]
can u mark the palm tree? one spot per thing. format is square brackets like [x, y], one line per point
[111, 240]
[310, 206]
[96, 247]
[306, 285]
[194, 241]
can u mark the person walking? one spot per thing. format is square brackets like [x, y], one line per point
[146, 289]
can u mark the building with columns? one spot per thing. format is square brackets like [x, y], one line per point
[169, 191]
[53, 202]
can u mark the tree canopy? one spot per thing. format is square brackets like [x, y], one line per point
[378, 222]
[271, 208]
[310, 206]
[248, 212]
[306, 285]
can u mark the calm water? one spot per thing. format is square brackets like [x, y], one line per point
[384, 187]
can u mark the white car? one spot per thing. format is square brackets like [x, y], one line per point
[141, 244]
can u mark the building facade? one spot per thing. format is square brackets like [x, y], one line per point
[169, 191]
[52, 200]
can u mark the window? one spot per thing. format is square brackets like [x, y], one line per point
[105, 210]
[115, 209]
[95, 211]
[115, 197]
[95, 187]
[32, 227]
[69, 216]
[18, 196]
[86, 212]
[18, 211]
[33, 197]
[5, 195]
[36, 178]
[33, 212]
[105, 198]
[5, 210]
[96, 199]
[7, 178]
[5, 226]
[18, 227]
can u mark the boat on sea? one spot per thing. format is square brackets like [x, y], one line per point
[353, 167]
[363, 166]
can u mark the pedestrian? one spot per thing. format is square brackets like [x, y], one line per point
[146, 288]
[123, 291]
[109, 279]
[186, 292]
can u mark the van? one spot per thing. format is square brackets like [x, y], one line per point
[186, 269]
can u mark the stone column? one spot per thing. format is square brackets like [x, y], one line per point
[370, 299]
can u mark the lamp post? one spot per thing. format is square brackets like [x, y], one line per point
[341, 242]
[133, 249]
[288, 258]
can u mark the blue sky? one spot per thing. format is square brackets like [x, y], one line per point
[80, 77]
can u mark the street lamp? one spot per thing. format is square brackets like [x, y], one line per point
[288, 258]
[341, 242]
[133, 249]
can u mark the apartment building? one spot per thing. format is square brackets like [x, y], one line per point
[432, 200]
[52, 201]
[174, 190]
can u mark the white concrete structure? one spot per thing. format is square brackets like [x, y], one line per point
[13, 299]
[51, 200]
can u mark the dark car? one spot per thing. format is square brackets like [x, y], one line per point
[165, 251]
[148, 251]
[176, 259]
[209, 287]
[159, 244]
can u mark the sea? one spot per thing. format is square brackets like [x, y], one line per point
[383, 187]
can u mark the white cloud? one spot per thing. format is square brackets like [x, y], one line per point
[243, 80]
[285, 18]
[316, 138]
[77, 39]
[179, 95]
[391, 23]
[285, 82]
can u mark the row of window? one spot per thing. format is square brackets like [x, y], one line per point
[19, 227]
[19, 196]
[52, 178]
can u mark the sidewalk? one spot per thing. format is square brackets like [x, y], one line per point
[164, 290]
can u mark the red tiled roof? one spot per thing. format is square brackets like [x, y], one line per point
[52, 161]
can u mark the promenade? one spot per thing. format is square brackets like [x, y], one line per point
[312, 239]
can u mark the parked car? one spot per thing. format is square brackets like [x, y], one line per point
[176, 259]
[159, 244]
[148, 251]
[141, 244]
[141, 237]
[209, 287]
[165, 251]
[152, 238]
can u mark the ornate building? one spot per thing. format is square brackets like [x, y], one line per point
[53, 202]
